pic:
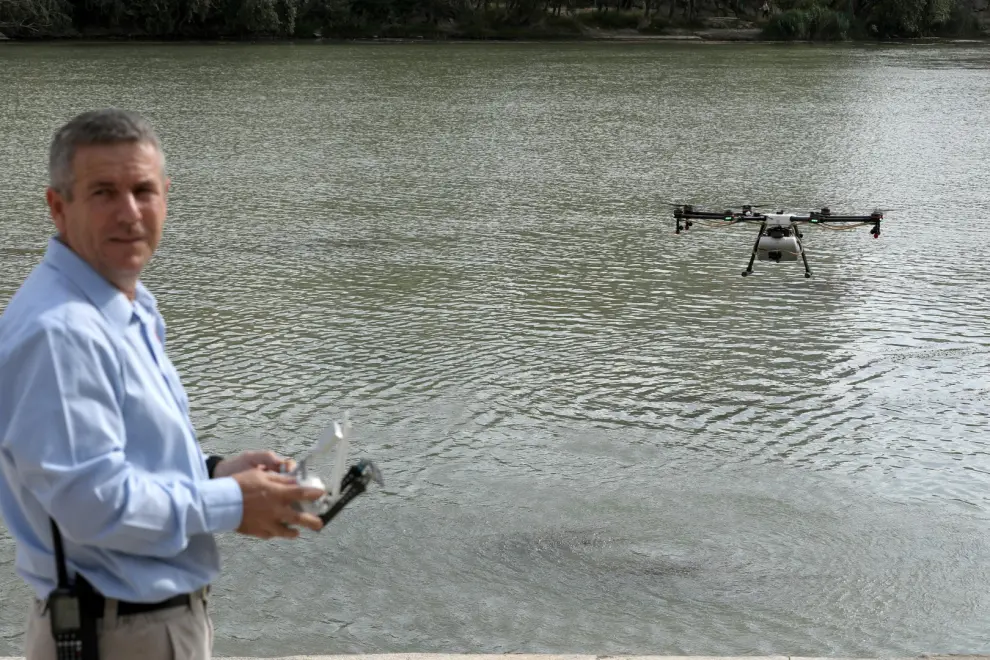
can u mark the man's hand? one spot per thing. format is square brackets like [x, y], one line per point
[268, 498]
[248, 460]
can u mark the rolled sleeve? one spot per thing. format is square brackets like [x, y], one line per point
[223, 504]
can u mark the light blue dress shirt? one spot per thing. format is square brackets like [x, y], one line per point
[95, 432]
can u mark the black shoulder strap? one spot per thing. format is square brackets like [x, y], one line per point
[63, 573]
[81, 642]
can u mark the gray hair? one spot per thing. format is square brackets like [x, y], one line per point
[104, 127]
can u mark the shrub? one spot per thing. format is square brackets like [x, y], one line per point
[813, 23]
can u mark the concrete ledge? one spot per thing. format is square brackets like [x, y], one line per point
[537, 656]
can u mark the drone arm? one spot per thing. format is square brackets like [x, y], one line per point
[709, 215]
[842, 218]
[874, 218]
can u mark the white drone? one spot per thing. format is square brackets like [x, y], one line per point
[779, 238]
[344, 487]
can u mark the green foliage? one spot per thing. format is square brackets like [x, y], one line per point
[961, 22]
[788, 25]
[910, 18]
[808, 22]
[817, 20]
[657, 25]
[610, 20]
[255, 17]
[827, 25]
[562, 24]
[28, 18]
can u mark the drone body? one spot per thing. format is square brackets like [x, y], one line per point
[779, 242]
[778, 239]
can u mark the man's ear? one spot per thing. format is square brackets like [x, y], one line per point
[56, 204]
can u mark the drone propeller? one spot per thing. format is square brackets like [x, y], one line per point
[676, 205]
[698, 207]
[752, 206]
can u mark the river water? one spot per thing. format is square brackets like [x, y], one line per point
[596, 436]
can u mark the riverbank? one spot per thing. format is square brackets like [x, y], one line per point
[551, 28]
[714, 34]
[704, 35]
[575, 25]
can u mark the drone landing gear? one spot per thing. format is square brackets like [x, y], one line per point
[804, 257]
[756, 245]
[777, 232]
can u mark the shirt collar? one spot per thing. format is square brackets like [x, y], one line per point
[145, 298]
[110, 300]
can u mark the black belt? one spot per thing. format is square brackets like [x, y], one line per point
[97, 602]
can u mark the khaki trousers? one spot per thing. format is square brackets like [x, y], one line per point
[176, 633]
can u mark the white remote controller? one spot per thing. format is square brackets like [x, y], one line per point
[317, 507]
[335, 438]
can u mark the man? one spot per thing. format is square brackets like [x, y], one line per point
[95, 435]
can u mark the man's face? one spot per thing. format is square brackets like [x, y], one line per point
[114, 216]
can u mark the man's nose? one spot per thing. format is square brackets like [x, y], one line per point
[128, 209]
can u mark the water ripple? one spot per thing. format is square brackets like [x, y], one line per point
[597, 436]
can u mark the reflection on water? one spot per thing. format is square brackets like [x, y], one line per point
[596, 436]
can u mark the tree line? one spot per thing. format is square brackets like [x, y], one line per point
[239, 19]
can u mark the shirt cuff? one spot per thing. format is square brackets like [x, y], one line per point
[223, 505]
